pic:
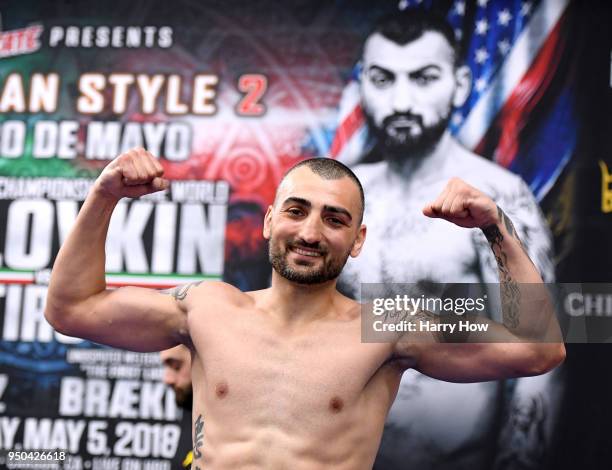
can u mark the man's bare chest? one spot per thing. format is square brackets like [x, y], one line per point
[247, 359]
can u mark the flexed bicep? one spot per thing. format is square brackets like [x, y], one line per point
[131, 318]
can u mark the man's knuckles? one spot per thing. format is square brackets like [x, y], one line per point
[136, 168]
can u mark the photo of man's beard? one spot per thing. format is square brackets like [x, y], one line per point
[403, 135]
[330, 269]
[184, 397]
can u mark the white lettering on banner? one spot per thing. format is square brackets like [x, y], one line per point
[3, 385]
[126, 399]
[66, 215]
[173, 96]
[32, 225]
[130, 439]
[149, 86]
[121, 83]
[111, 36]
[8, 429]
[201, 239]
[154, 136]
[163, 237]
[588, 304]
[200, 191]
[12, 139]
[152, 406]
[97, 438]
[118, 371]
[43, 94]
[24, 315]
[102, 140]
[144, 440]
[33, 324]
[204, 92]
[55, 139]
[100, 92]
[33, 218]
[178, 142]
[90, 101]
[106, 140]
[49, 433]
[48, 188]
[124, 241]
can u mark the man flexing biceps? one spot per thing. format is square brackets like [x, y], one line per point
[281, 374]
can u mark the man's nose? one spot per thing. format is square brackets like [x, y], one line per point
[310, 231]
[402, 95]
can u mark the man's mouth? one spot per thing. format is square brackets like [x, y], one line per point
[306, 251]
[404, 122]
[403, 125]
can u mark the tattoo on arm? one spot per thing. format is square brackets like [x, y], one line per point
[511, 230]
[180, 292]
[510, 292]
[198, 439]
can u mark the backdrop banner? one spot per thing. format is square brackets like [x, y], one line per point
[229, 95]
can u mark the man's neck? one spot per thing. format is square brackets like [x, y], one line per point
[423, 167]
[297, 304]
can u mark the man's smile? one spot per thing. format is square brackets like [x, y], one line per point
[305, 251]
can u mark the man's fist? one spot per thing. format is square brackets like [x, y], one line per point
[463, 205]
[132, 174]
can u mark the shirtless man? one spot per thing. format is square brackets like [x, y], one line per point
[281, 374]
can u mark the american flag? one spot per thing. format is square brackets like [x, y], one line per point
[520, 111]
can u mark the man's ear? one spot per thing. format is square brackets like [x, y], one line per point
[267, 223]
[359, 241]
[463, 81]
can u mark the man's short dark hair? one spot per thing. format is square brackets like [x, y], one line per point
[405, 26]
[330, 169]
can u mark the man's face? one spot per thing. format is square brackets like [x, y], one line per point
[313, 227]
[408, 91]
[177, 374]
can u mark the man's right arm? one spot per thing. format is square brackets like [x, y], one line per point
[78, 302]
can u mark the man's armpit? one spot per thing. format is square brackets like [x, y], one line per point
[411, 344]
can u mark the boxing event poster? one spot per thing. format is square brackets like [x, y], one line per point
[229, 95]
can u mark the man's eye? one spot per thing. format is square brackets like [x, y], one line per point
[335, 221]
[294, 211]
[425, 79]
[380, 79]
